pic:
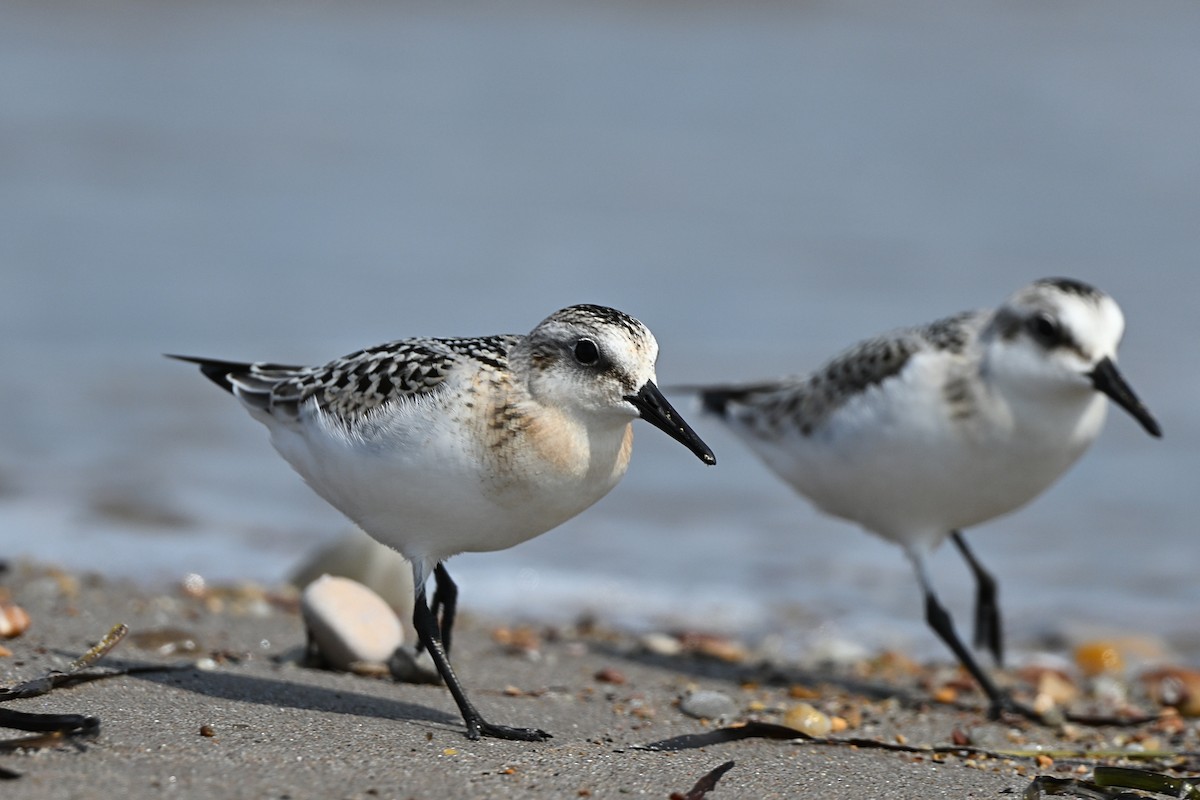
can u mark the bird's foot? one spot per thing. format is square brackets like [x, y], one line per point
[1004, 704]
[478, 727]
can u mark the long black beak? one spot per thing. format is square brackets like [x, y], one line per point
[658, 412]
[1106, 379]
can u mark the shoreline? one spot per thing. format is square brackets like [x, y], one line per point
[253, 723]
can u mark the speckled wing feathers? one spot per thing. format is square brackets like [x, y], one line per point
[805, 402]
[350, 387]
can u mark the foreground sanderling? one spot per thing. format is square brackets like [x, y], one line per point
[920, 433]
[442, 446]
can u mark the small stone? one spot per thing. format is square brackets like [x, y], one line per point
[1110, 689]
[707, 704]
[807, 719]
[1099, 657]
[165, 641]
[407, 666]
[348, 622]
[207, 731]
[369, 669]
[194, 585]
[945, 695]
[522, 640]
[1057, 687]
[661, 644]
[715, 647]
[610, 675]
[835, 651]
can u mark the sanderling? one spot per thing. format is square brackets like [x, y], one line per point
[442, 446]
[918, 434]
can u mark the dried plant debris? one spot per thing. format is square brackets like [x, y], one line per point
[1110, 783]
[705, 784]
[76, 672]
[54, 729]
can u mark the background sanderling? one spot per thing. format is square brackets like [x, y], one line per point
[918, 434]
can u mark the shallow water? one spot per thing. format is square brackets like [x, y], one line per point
[761, 185]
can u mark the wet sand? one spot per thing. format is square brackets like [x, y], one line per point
[254, 723]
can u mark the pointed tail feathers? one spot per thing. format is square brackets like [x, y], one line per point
[216, 370]
[715, 400]
[253, 384]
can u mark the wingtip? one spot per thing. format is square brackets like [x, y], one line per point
[215, 370]
[713, 399]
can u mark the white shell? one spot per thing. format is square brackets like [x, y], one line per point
[349, 622]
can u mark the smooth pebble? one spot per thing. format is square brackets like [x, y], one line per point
[376, 566]
[348, 622]
[707, 704]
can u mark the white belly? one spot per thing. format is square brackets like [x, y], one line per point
[426, 488]
[898, 465]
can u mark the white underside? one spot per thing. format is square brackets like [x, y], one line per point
[426, 485]
[892, 459]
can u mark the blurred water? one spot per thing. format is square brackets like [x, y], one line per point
[761, 183]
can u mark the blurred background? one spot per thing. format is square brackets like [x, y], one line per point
[761, 183]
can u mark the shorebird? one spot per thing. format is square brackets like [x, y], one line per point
[920, 433]
[441, 446]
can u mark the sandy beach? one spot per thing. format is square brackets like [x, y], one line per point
[240, 717]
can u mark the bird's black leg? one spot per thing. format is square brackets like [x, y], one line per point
[445, 603]
[988, 629]
[939, 619]
[427, 631]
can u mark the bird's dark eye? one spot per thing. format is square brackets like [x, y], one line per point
[1046, 329]
[586, 352]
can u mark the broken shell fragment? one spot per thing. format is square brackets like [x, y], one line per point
[14, 620]
[1176, 688]
[807, 719]
[1098, 658]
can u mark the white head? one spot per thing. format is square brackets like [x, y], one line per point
[1057, 339]
[600, 362]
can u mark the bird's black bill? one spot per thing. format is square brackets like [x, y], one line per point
[658, 412]
[1106, 379]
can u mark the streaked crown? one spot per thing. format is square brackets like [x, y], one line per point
[588, 356]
